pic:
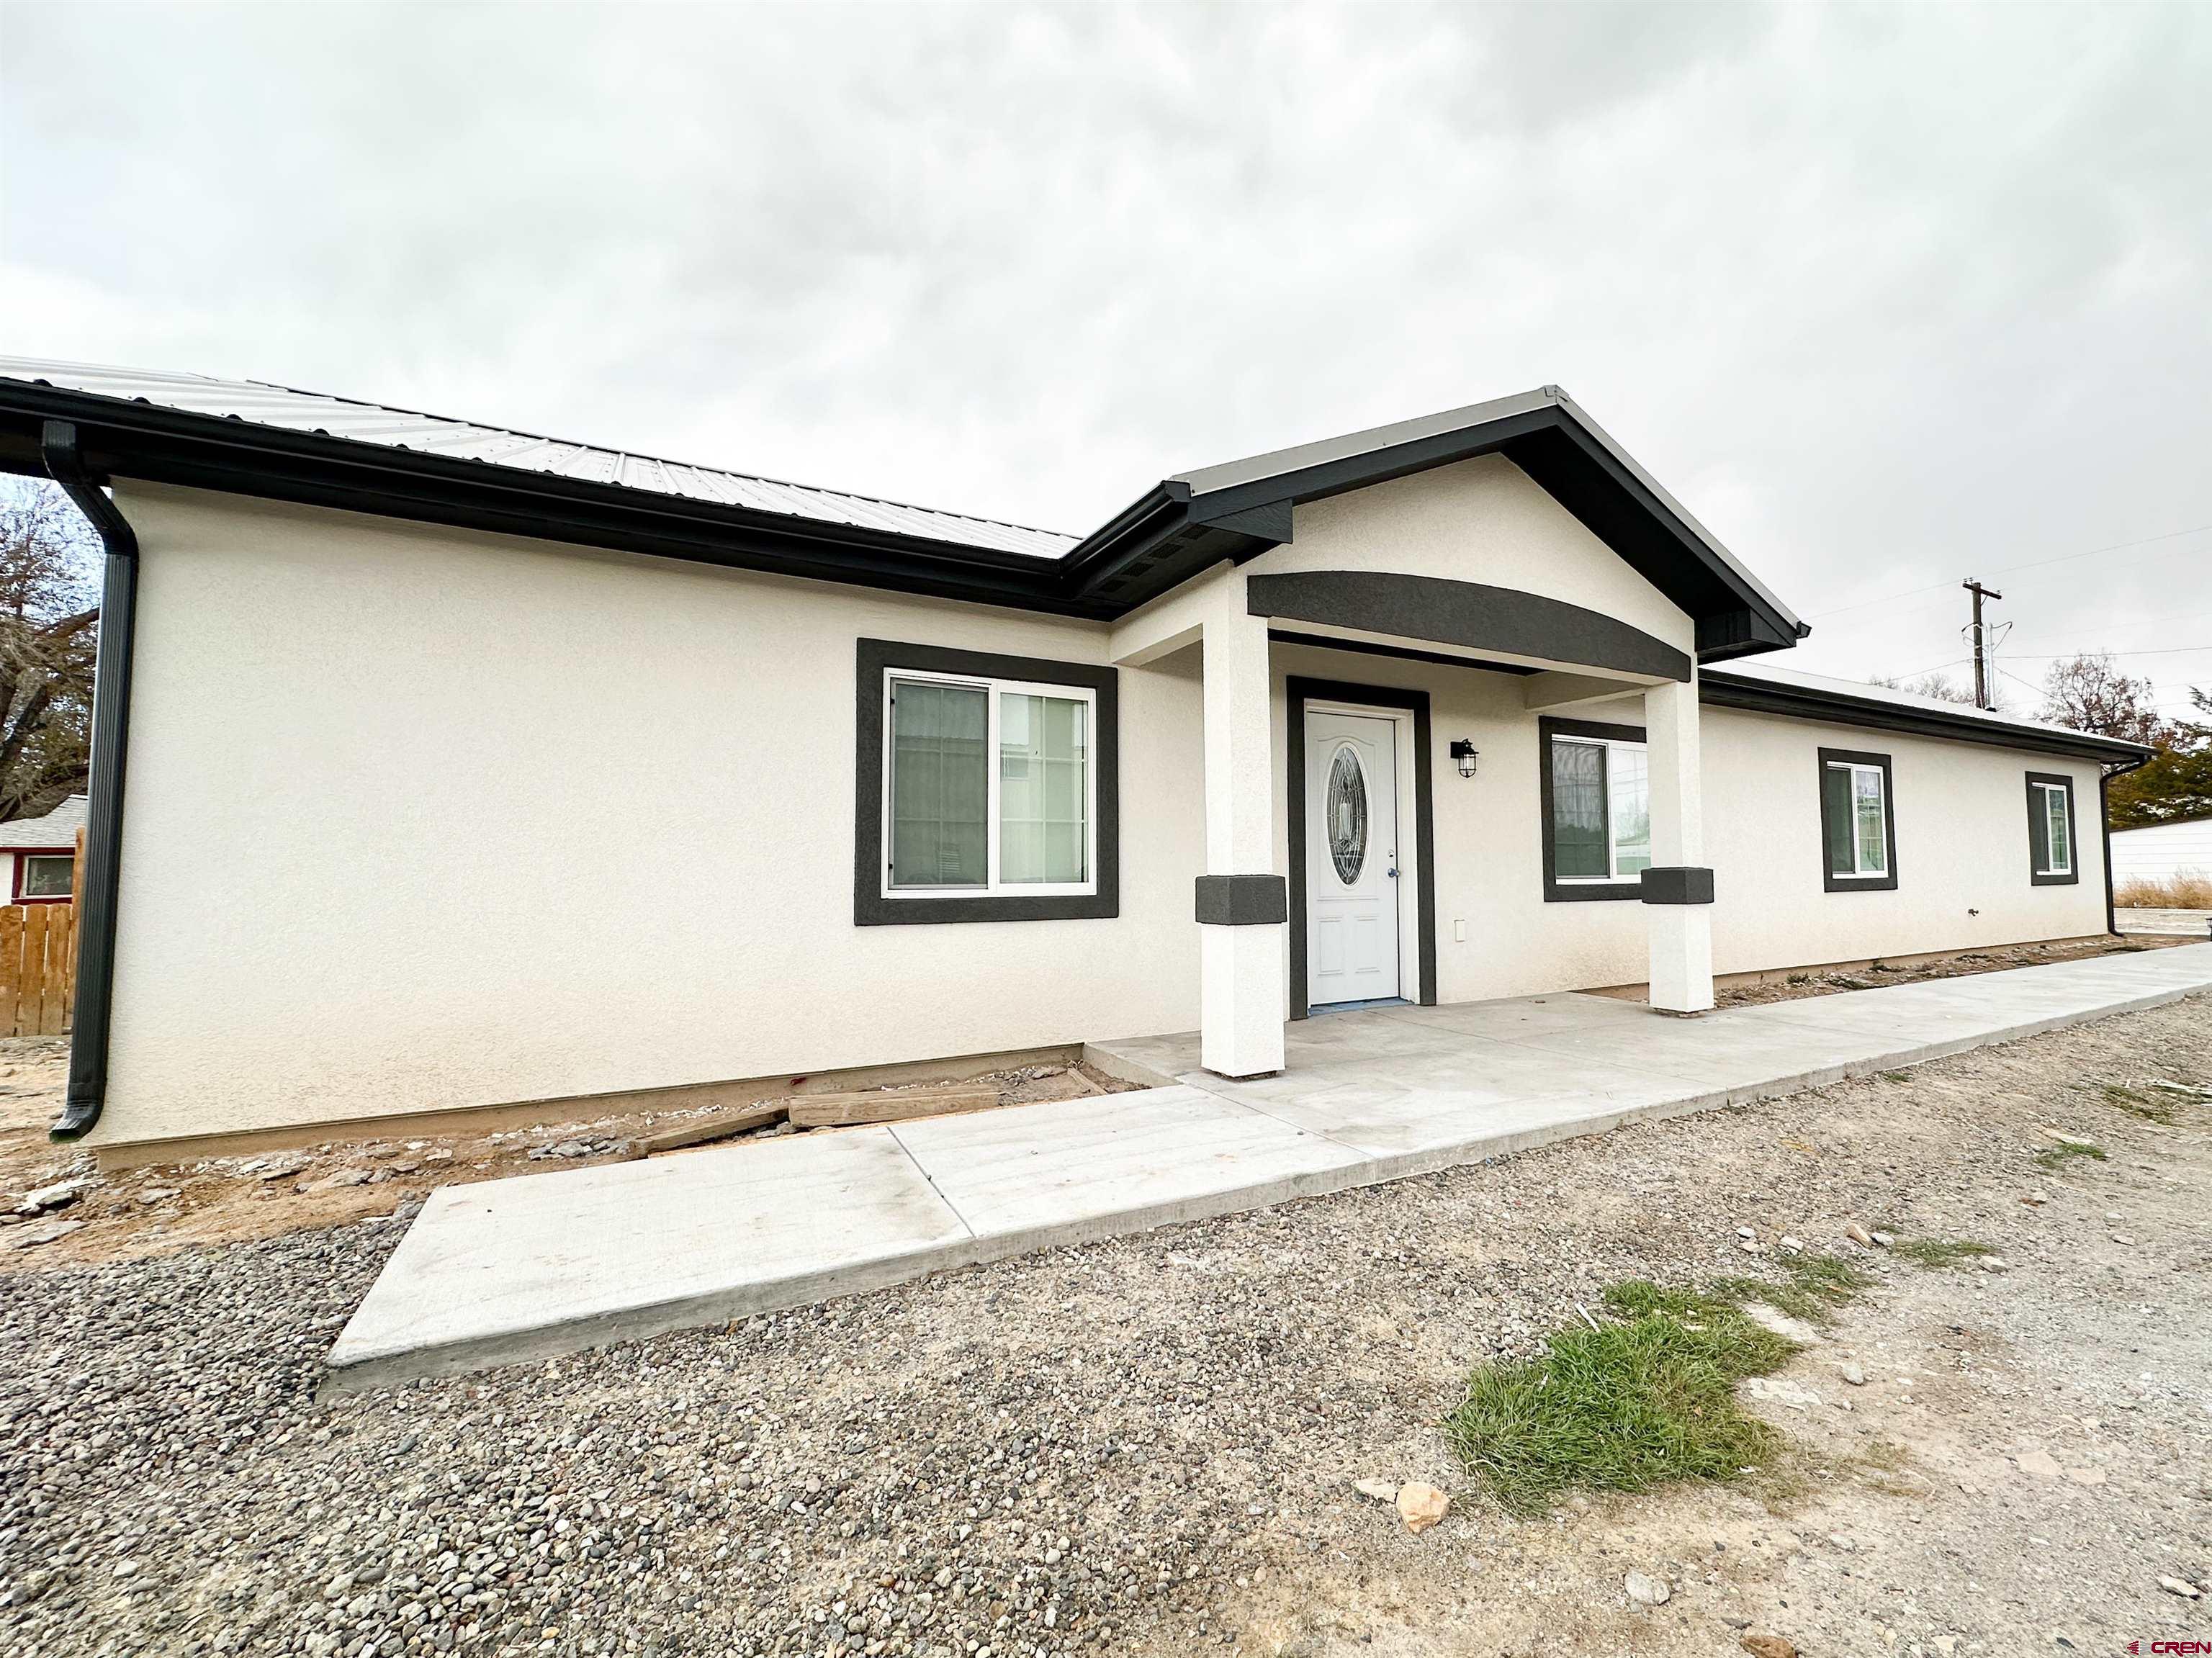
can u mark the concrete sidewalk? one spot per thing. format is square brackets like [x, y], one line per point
[546, 1264]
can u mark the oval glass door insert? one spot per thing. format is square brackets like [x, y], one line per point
[1347, 815]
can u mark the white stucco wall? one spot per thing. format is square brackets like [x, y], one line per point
[1962, 837]
[1960, 810]
[500, 819]
[1482, 520]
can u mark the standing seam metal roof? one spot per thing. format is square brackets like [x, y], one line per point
[403, 428]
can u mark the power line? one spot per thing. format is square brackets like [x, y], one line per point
[2063, 656]
[2006, 569]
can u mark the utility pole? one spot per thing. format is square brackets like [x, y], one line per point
[1981, 667]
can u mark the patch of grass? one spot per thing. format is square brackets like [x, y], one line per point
[1642, 1402]
[2127, 1100]
[1939, 1253]
[1895, 1076]
[1813, 1286]
[2064, 1153]
[1621, 1408]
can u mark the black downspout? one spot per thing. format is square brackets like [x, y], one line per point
[103, 833]
[2104, 822]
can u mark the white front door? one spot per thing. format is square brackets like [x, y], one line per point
[1351, 857]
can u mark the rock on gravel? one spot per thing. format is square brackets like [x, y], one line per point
[1646, 1590]
[59, 1195]
[29, 1237]
[1421, 1506]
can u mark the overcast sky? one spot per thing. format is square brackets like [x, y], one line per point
[1887, 297]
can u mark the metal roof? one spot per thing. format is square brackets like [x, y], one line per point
[283, 407]
[1852, 693]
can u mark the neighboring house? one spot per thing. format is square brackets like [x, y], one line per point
[566, 772]
[42, 853]
[2160, 851]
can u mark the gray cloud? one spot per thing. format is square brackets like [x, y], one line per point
[1889, 296]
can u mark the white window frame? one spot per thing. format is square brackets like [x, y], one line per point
[23, 878]
[1614, 878]
[1881, 783]
[995, 690]
[2062, 862]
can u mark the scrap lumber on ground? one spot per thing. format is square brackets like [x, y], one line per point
[700, 1130]
[844, 1110]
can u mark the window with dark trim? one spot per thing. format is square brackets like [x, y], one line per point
[1858, 823]
[986, 788]
[1594, 785]
[2050, 837]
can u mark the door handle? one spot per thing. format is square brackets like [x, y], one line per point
[1392, 874]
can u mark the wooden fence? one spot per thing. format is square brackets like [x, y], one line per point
[37, 968]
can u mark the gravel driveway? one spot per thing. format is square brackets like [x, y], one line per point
[1148, 1445]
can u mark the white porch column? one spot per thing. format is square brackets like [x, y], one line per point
[1678, 887]
[1243, 944]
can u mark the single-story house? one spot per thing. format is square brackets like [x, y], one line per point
[2163, 852]
[538, 771]
[42, 853]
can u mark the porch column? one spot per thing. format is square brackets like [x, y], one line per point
[1678, 887]
[1241, 898]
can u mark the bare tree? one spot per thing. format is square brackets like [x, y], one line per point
[2089, 694]
[1939, 686]
[49, 634]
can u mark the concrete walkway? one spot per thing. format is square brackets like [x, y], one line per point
[546, 1264]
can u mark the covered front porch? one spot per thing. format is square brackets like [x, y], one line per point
[1378, 795]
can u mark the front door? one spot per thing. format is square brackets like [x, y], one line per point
[1351, 857]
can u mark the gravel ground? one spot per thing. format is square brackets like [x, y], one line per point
[1148, 1445]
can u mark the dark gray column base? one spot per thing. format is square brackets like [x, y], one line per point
[1677, 884]
[1243, 901]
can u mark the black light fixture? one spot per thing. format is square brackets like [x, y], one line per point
[1464, 755]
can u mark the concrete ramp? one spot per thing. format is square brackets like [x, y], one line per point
[546, 1264]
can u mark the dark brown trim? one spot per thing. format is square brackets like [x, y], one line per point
[1576, 892]
[1396, 653]
[878, 657]
[1831, 882]
[1467, 614]
[2035, 844]
[1297, 692]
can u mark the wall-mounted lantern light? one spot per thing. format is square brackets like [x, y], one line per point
[1464, 755]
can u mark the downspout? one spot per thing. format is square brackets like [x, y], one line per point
[103, 835]
[2104, 822]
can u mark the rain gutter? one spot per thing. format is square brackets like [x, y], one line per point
[2105, 776]
[103, 835]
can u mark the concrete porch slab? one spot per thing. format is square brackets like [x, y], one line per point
[538, 1265]
[1075, 1169]
[545, 1264]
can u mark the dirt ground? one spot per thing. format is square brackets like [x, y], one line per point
[1150, 1445]
[126, 1214]
[1965, 963]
